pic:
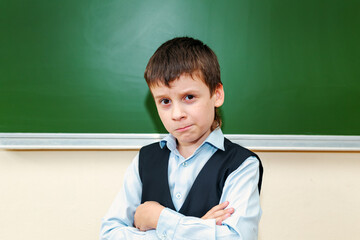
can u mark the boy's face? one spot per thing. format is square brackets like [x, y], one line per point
[186, 108]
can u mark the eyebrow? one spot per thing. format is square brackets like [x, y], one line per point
[189, 91]
[159, 97]
[183, 92]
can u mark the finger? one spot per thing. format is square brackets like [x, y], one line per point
[220, 213]
[142, 228]
[221, 206]
[225, 214]
[220, 219]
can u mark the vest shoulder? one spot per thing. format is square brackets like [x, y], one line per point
[150, 147]
[239, 151]
[236, 148]
[152, 152]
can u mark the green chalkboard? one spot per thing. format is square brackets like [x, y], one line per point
[76, 66]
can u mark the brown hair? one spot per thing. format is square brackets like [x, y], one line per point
[184, 55]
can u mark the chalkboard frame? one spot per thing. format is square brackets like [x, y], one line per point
[38, 141]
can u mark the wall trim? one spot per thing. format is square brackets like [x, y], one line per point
[108, 141]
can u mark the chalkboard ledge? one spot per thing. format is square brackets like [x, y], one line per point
[38, 141]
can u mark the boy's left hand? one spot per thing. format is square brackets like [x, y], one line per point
[147, 215]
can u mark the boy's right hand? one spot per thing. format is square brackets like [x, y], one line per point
[219, 213]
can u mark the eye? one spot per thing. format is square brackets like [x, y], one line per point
[189, 97]
[164, 101]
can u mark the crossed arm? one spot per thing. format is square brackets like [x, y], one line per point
[153, 221]
[147, 214]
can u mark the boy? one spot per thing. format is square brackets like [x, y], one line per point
[182, 187]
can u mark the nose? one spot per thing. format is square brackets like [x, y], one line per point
[177, 112]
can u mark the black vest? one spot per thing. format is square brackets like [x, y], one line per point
[207, 188]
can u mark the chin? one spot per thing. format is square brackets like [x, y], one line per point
[187, 139]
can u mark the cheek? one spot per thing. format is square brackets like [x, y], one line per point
[161, 114]
[163, 117]
[205, 113]
[211, 113]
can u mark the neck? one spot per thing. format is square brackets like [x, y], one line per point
[187, 151]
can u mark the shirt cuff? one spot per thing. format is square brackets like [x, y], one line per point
[167, 223]
[151, 235]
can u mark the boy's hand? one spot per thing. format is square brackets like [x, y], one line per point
[219, 213]
[147, 215]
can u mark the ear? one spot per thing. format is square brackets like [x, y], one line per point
[219, 95]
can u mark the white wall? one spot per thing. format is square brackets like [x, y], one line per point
[63, 194]
[311, 196]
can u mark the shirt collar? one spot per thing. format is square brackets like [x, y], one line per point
[216, 139]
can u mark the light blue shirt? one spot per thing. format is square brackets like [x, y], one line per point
[240, 189]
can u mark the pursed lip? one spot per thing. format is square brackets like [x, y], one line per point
[182, 129]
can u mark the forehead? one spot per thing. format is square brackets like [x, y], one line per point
[183, 84]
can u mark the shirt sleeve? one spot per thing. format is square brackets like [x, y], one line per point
[241, 190]
[117, 224]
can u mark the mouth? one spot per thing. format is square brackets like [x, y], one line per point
[182, 129]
